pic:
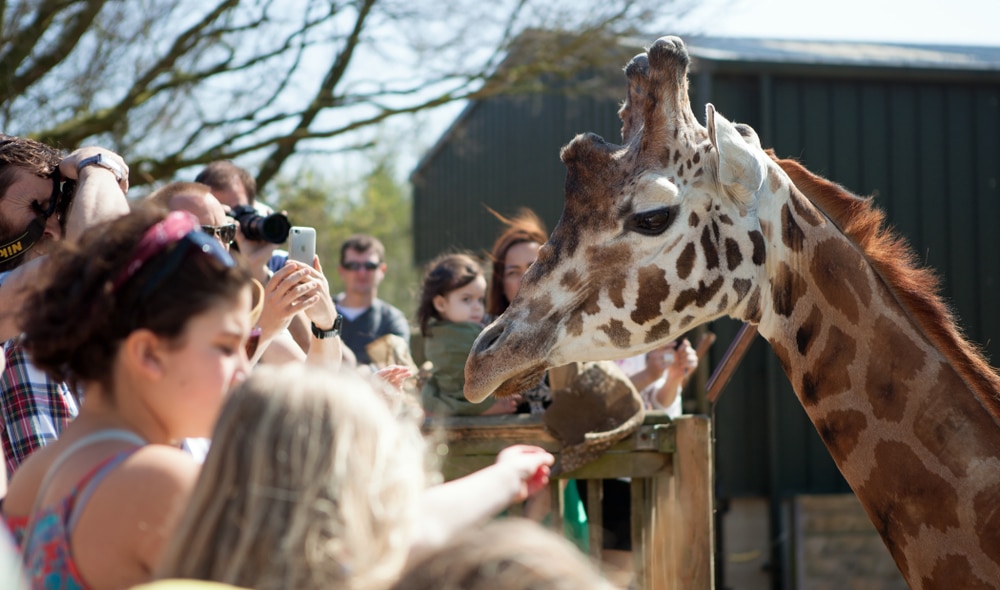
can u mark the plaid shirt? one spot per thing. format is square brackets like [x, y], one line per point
[33, 408]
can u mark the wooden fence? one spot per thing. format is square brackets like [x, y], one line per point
[669, 463]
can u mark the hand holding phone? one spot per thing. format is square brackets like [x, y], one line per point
[302, 244]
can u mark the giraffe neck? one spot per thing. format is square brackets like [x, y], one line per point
[917, 444]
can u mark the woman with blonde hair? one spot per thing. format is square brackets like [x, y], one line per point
[316, 481]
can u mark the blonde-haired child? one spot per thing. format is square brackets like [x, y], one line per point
[315, 481]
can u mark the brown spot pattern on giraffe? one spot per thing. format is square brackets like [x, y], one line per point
[835, 265]
[754, 310]
[723, 303]
[895, 360]
[653, 291]
[841, 430]
[708, 247]
[807, 332]
[804, 208]
[685, 262]
[775, 180]
[571, 281]
[759, 250]
[617, 333]
[787, 288]
[699, 296]
[608, 265]
[659, 331]
[733, 255]
[574, 324]
[742, 287]
[693, 219]
[955, 429]
[904, 496]
[539, 309]
[828, 374]
[955, 571]
[988, 524]
[791, 234]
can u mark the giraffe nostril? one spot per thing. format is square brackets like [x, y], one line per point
[487, 338]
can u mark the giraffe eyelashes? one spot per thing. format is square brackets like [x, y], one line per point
[651, 223]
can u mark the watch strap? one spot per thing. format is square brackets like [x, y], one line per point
[332, 332]
[106, 163]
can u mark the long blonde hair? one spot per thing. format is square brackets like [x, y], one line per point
[311, 482]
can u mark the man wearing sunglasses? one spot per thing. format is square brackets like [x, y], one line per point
[45, 197]
[366, 317]
[197, 199]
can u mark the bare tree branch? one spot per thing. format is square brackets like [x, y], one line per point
[180, 83]
[285, 147]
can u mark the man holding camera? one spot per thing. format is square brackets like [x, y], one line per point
[235, 188]
[44, 197]
[260, 230]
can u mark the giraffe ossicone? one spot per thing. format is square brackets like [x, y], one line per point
[684, 223]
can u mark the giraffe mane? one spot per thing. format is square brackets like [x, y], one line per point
[916, 287]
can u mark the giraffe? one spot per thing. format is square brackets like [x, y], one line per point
[684, 223]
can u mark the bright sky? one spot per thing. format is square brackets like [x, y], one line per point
[956, 22]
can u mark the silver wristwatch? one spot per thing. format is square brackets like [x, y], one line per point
[106, 163]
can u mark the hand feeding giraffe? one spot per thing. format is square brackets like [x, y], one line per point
[683, 224]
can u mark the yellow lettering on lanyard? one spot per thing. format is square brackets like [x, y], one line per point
[11, 250]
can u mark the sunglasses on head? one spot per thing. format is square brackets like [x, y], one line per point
[225, 233]
[194, 242]
[359, 265]
[177, 235]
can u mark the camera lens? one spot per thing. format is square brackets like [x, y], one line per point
[275, 228]
[272, 228]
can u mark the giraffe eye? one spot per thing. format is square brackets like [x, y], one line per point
[651, 223]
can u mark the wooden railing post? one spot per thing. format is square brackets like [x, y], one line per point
[670, 463]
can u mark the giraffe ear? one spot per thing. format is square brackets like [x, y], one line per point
[740, 169]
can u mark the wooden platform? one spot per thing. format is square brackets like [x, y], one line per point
[669, 462]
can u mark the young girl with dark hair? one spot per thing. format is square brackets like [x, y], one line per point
[450, 315]
[148, 316]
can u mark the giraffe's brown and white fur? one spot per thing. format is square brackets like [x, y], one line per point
[682, 224]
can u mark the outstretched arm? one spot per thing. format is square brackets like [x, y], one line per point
[519, 472]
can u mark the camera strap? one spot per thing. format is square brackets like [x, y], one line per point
[12, 251]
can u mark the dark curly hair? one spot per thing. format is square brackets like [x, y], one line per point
[443, 275]
[74, 321]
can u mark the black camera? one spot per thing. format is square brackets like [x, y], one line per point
[261, 228]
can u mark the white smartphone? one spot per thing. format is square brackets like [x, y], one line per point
[302, 244]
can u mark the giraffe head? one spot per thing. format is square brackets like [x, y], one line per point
[657, 235]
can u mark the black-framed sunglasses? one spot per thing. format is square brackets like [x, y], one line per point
[225, 233]
[353, 266]
[192, 242]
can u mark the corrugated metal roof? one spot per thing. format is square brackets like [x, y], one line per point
[845, 53]
[801, 53]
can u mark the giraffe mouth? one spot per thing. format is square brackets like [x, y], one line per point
[503, 363]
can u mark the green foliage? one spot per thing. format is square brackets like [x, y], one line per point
[381, 206]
